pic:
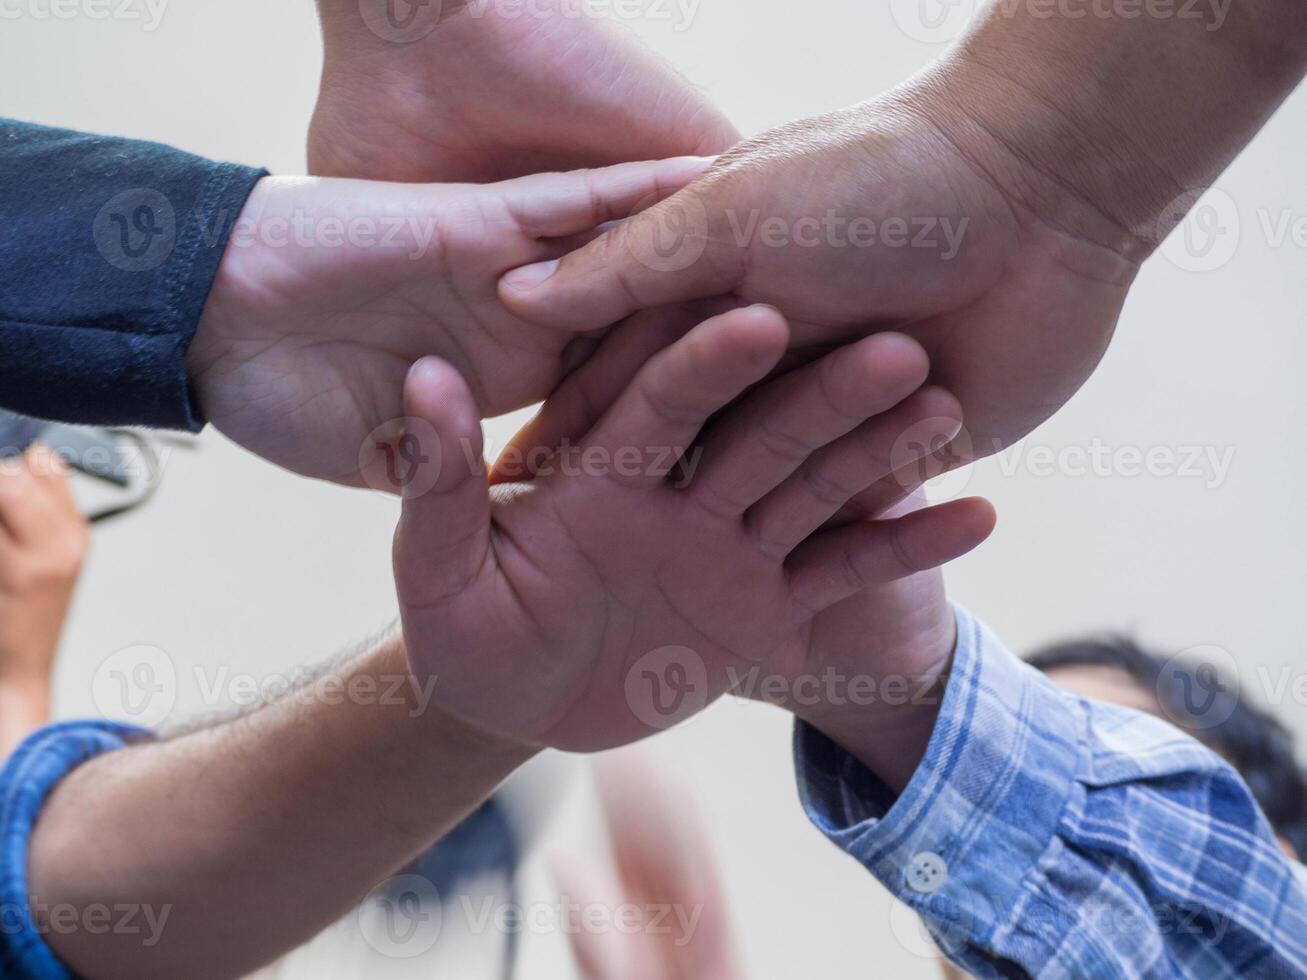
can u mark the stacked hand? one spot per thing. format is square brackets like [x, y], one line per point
[481, 90]
[634, 524]
[550, 613]
[331, 289]
[868, 219]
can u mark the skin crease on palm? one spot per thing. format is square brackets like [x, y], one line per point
[724, 567]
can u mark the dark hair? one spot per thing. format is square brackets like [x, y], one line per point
[1253, 741]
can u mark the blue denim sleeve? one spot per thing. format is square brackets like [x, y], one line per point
[1045, 835]
[109, 248]
[26, 781]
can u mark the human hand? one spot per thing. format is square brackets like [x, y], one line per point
[487, 90]
[867, 219]
[873, 677]
[43, 543]
[534, 609]
[330, 289]
[667, 874]
[872, 673]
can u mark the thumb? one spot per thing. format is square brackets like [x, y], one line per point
[662, 255]
[444, 529]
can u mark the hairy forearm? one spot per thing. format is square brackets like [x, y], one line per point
[1114, 115]
[252, 836]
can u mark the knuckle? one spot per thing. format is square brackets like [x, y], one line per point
[665, 409]
[901, 552]
[840, 398]
[717, 501]
[824, 488]
[783, 445]
[852, 572]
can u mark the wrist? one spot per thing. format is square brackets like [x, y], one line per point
[433, 731]
[227, 307]
[1079, 123]
[889, 702]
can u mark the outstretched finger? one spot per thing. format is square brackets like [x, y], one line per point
[590, 390]
[757, 445]
[668, 402]
[834, 565]
[661, 256]
[837, 473]
[558, 205]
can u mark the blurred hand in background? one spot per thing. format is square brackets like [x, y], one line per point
[666, 873]
[43, 543]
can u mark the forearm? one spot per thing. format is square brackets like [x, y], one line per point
[1029, 799]
[267, 828]
[1113, 123]
[905, 671]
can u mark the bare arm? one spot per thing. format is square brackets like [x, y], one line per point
[43, 543]
[1124, 119]
[267, 828]
[1040, 161]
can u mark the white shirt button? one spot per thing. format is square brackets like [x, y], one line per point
[927, 872]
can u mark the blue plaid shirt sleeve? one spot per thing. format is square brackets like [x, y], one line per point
[28, 778]
[1050, 836]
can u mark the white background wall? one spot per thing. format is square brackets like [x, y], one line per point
[240, 565]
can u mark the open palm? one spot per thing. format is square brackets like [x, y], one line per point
[601, 601]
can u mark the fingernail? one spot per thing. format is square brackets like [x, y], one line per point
[529, 277]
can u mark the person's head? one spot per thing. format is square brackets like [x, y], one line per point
[1116, 669]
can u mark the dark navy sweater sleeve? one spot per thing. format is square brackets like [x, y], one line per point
[108, 250]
